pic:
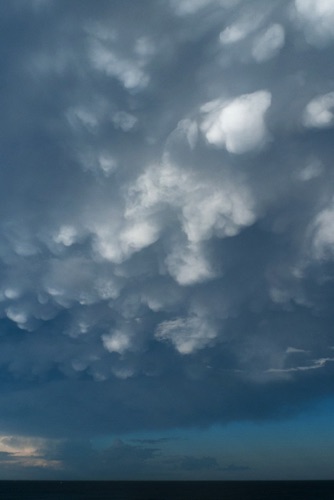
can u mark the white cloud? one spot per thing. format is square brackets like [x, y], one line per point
[138, 235]
[316, 365]
[12, 293]
[188, 264]
[268, 44]
[248, 22]
[123, 372]
[105, 231]
[294, 350]
[117, 341]
[316, 18]
[26, 452]
[323, 234]
[238, 125]
[130, 72]
[241, 29]
[187, 334]
[313, 169]
[189, 129]
[83, 116]
[218, 210]
[124, 120]
[107, 288]
[206, 206]
[319, 113]
[17, 315]
[107, 163]
[117, 244]
[234, 33]
[203, 208]
[67, 235]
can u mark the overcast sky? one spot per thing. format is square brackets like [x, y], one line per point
[167, 239]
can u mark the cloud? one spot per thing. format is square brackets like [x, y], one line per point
[238, 125]
[116, 342]
[269, 43]
[318, 113]
[166, 214]
[322, 234]
[188, 334]
[316, 19]
[27, 455]
[317, 363]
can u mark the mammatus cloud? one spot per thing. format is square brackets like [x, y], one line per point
[166, 213]
[269, 43]
[187, 335]
[318, 113]
[238, 125]
[316, 20]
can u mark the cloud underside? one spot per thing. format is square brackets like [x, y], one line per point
[167, 213]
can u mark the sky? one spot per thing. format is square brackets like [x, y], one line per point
[166, 239]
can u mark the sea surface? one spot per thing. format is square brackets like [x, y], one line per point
[166, 490]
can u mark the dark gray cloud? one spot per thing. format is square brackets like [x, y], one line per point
[166, 200]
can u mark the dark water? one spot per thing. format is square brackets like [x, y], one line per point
[163, 490]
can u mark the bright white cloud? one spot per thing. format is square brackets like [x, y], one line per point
[323, 234]
[67, 235]
[187, 334]
[319, 113]
[316, 18]
[138, 235]
[117, 341]
[222, 211]
[188, 264]
[203, 208]
[238, 125]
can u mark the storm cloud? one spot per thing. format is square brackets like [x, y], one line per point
[167, 208]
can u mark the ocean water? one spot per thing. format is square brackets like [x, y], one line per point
[166, 490]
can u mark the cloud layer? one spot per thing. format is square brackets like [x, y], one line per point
[166, 213]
